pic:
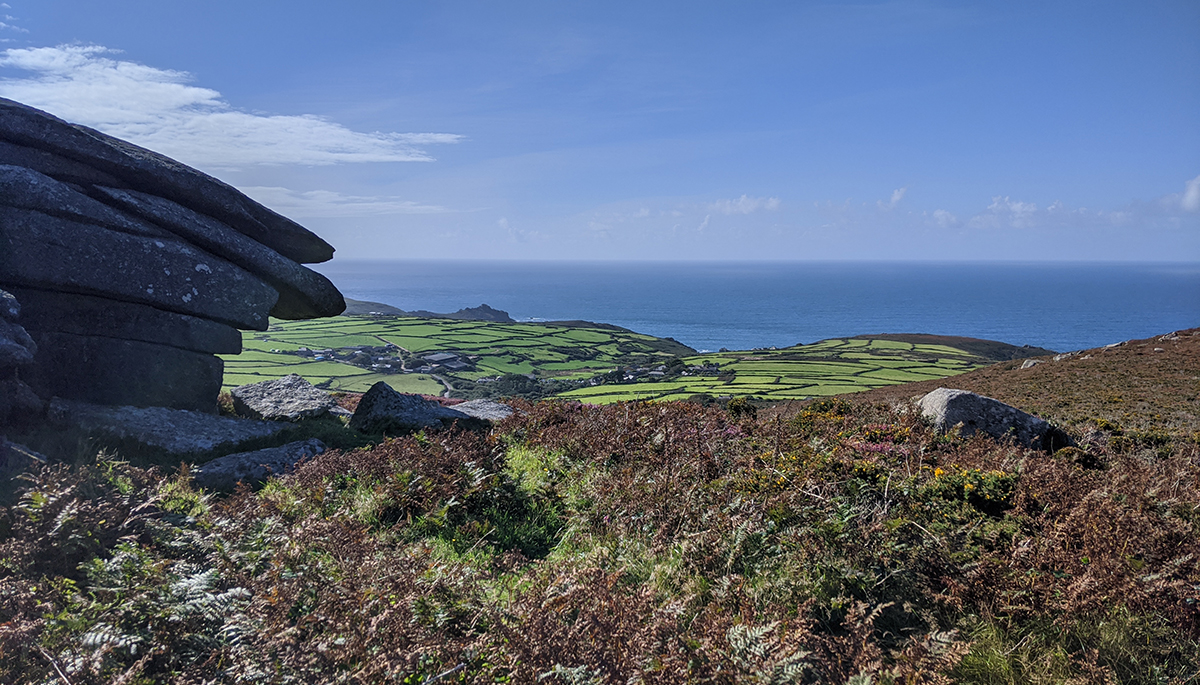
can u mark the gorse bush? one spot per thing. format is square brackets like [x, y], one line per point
[638, 542]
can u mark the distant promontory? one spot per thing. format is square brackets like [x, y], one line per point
[480, 313]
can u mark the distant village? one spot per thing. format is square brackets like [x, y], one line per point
[391, 358]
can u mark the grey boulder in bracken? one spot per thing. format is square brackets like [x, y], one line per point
[290, 398]
[948, 407]
[383, 410]
[254, 468]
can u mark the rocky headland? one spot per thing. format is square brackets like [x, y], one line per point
[481, 313]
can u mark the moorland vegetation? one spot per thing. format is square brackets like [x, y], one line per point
[841, 540]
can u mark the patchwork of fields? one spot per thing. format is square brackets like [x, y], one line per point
[549, 350]
[829, 367]
[581, 352]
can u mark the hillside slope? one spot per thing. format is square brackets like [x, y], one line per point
[1149, 384]
[989, 349]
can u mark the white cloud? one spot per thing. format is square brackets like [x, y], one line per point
[744, 205]
[1006, 212]
[897, 196]
[329, 204]
[1191, 196]
[944, 219]
[159, 109]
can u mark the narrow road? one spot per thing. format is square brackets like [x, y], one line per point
[449, 388]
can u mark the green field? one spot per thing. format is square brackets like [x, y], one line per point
[588, 361]
[828, 367]
[562, 351]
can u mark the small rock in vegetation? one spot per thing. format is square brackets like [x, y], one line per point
[14, 457]
[1030, 363]
[254, 468]
[383, 410]
[290, 398]
[948, 408]
[485, 410]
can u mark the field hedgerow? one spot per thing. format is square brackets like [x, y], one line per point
[637, 542]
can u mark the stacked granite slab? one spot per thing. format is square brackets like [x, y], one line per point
[18, 403]
[134, 270]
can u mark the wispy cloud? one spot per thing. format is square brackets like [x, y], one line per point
[1005, 212]
[944, 219]
[6, 25]
[744, 205]
[329, 204]
[161, 110]
[1190, 200]
[897, 196]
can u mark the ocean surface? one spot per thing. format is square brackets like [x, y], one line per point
[743, 305]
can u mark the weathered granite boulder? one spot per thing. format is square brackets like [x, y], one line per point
[254, 468]
[485, 410]
[51, 253]
[10, 308]
[174, 431]
[137, 167]
[290, 398]
[16, 458]
[135, 269]
[948, 408]
[24, 188]
[16, 347]
[54, 166]
[383, 410]
[90, 315]
[303, 293]
[124, 372]
[18, 402]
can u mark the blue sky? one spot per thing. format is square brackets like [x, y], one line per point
[671, 130]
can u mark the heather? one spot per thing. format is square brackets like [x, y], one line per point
[638, 542]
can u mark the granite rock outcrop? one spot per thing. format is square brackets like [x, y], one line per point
[135, 270]
[17, 402]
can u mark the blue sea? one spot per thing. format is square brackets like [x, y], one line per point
[743, 305]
